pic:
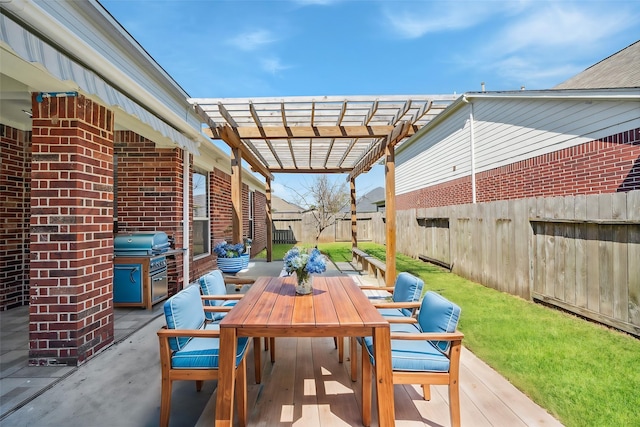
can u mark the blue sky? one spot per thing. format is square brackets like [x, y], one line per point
[332, 47]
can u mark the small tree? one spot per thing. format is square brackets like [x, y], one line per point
[324, 200]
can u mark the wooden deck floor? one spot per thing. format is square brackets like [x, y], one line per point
[307, 387]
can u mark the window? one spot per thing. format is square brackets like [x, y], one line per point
[200, 194]
[251, 211]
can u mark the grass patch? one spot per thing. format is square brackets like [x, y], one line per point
[278, 251]
[582, 373]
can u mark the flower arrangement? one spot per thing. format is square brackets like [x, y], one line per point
[228, 250]
[304, 264]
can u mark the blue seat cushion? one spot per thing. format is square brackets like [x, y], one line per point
[438, 314]
[202, 353]
[411, 355]
[184, 311]
[408, 288]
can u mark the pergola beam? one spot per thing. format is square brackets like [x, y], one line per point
[233, 141]
[288, 132]
[399, 132]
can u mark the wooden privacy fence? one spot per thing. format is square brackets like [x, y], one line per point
[302, 228]
[581, 253]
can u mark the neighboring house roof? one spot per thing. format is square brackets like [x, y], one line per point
[620, 70]
[369, 202]
[279, 205]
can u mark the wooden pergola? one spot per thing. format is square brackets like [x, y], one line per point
[328, 134]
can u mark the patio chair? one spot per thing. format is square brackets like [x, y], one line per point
[189, 347]
[405, 300]
[427, 352]
[214, 294]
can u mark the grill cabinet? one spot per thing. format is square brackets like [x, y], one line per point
[140, 271]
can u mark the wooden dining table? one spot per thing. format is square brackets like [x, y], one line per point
[335, 308]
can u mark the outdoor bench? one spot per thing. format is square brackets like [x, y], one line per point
[372, 265]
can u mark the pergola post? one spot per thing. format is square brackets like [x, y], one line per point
[390, 212]
[354, 219]
[269, 221]
[236, 194]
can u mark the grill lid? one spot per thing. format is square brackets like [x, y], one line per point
[141, 243]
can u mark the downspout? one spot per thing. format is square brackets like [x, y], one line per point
[186, 185]
[472, 144]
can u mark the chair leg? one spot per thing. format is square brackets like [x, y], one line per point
[257, 360]
[340, 349]
[272, 349]
[353, 351]
[335, 342]
[366, 388]
[199, 384]
[165, 401]
[426, 391]
[241, 391]
[266, 343]
[454, 403]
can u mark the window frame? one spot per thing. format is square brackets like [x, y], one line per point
[204, 220]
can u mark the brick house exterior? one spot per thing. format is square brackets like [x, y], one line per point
[87, 159]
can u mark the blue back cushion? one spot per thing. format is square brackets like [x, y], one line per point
[408, 288]
[184, 311]
[212, 283]
[438, 314]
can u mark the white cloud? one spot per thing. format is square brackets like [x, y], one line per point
[559, 26]
[252, 40]
[546, 42]
[273, 65]
[435, 17]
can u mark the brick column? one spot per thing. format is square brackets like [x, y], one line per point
[71, 295]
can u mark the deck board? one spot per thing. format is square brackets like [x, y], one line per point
[306, 386]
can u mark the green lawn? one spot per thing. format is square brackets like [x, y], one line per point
[582, 373]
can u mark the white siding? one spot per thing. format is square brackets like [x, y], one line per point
[431, 160]
[507, 131]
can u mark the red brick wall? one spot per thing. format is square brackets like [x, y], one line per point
[71, 269]
[604, 166]
[150, 193]
[15, 172]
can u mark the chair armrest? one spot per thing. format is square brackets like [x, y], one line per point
[200, 333]
[377, 288]
[222, 297]
[217, 308]
[403, 319]
[239, 280]
[396, 304]
[430, 336]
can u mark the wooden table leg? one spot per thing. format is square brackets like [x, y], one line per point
[384, 376]
[226, 377]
